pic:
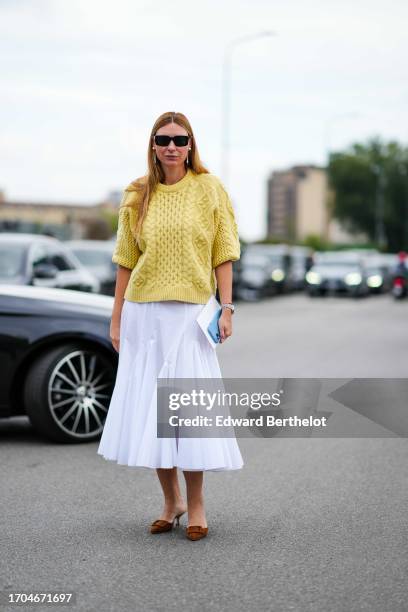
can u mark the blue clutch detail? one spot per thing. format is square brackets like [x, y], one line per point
[213, 329]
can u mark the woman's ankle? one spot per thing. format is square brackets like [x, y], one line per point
[196, 506]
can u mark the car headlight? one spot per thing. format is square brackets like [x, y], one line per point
[353, 278]
[278, 275]
[313, 278]
[375, 280]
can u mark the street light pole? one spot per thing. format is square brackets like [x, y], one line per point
[226, 82]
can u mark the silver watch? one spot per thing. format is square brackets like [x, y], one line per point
[230, 306]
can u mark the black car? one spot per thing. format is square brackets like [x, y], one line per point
[301, 262]
[265, 270]
[379, 278]
[42, 261]
[337, 274]
[58, 363]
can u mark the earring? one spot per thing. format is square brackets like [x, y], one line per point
[187, 156]
[154, 156]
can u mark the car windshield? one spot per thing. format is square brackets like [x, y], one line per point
[343, 263]
[351, 266]
[93, 258]
[253, 259]
[11, 259]
[268, 254]
[374, 270]
[276, 260]
[254, 267]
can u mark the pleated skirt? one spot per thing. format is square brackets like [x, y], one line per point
[160, 340]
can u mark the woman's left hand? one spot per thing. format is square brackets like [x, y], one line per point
[225, 324]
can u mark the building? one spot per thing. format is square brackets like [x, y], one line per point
[64, 221]
[299, 204]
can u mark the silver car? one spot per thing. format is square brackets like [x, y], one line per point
[42, 261]
[96, 256]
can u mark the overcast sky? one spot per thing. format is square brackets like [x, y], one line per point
[84, 80]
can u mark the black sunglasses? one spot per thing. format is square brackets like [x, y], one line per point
[163, 141]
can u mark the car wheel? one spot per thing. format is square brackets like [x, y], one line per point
[67, 393]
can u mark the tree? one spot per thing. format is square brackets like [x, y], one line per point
[370, 182]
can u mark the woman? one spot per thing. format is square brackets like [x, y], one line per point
[176, 240]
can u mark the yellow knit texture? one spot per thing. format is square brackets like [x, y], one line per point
[189, 230]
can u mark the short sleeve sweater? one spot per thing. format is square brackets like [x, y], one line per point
[189, 230]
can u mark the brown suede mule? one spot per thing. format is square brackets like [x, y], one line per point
[160, 526]
[196, 532]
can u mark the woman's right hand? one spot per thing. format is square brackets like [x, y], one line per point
[115, 333]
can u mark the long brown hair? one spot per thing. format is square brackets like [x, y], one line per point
[146, 185]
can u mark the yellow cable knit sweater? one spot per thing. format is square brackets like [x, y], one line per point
[189, 230]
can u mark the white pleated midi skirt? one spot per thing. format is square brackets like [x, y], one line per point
[160, 340]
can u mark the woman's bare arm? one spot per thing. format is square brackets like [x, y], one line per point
[223, 274]
[122, 280]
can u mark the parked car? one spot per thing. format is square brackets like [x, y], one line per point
[58, 363]
[255, 280]
[379, 280]
[42, 261]
[96, 256]
[337, 272]
[278, 265]
[301, 262]
[379, 274]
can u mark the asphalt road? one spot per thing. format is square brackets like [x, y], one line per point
[299, 336]
[306, 525]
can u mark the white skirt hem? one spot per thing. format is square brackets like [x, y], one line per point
[167, 467]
